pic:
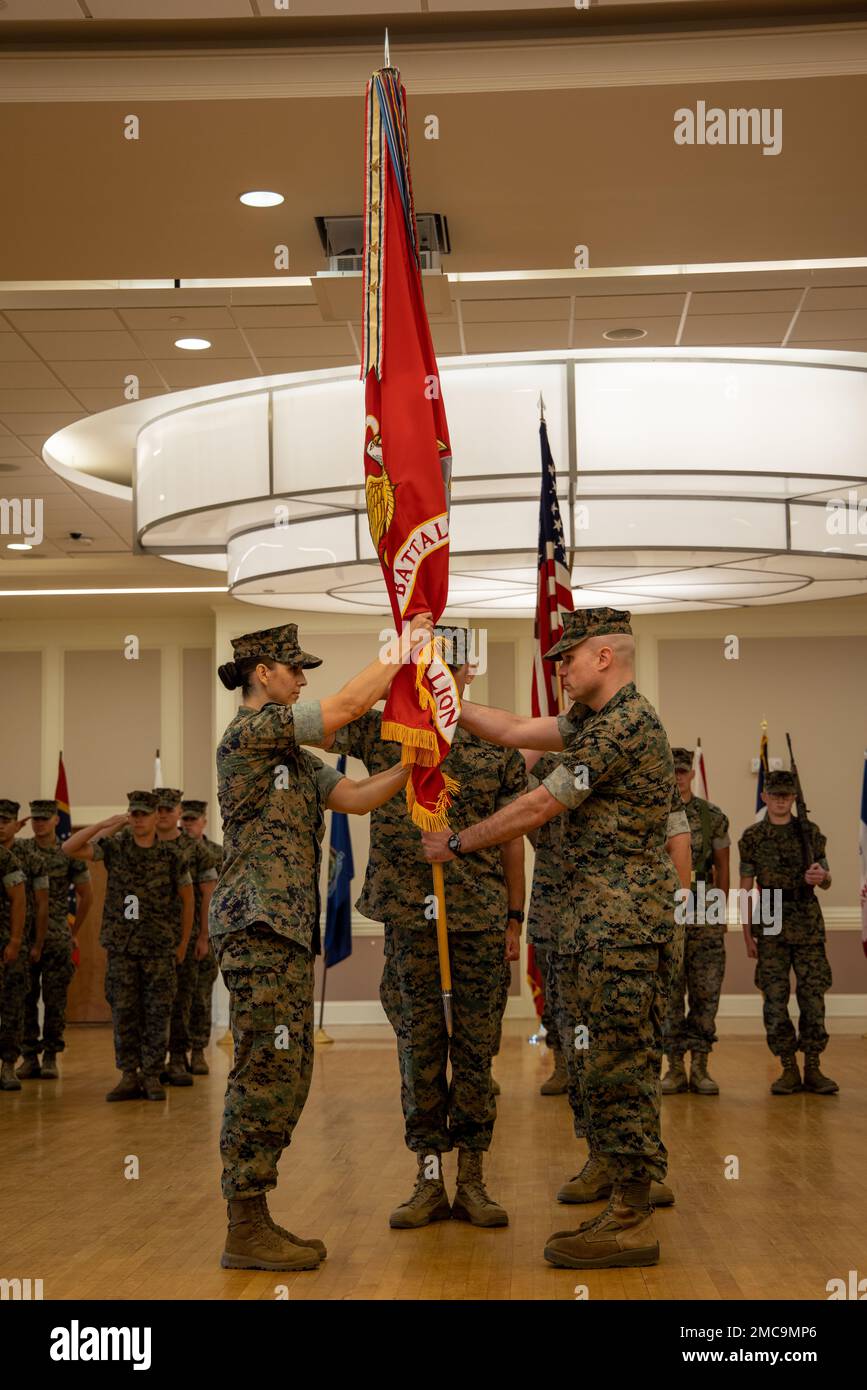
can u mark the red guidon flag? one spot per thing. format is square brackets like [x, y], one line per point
[407, 456]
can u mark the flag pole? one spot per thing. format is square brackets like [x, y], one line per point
[443, 944]
[321, 1036]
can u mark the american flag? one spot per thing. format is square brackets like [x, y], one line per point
[554, 592]
[553, 597]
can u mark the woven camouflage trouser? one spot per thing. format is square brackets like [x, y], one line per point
[50, 975]
[549, 1013]
[610, 1001]
[270, 984]
[701, 977]
[13, 992]
[140, 990]
[179, 1031]
[200, 1008]
[439, 1116]
[812, 977]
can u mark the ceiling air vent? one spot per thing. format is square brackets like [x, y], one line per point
[343, 241]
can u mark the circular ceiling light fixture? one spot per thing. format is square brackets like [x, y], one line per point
[261, 198]
[192, 344]
[688, 479]
[624, 335]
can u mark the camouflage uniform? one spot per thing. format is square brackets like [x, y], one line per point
[206, 970]
[264, 922]
[52, 973]
[398, 892]
[704, 960]
[200, 866]
[773, 856]
[16, 979]
[141, 976]
[616, 943]
[11, 874]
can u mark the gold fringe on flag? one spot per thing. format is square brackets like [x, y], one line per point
[437, 819]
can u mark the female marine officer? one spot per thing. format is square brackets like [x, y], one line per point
[264, 913]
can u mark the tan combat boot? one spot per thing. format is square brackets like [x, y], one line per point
[699, 1080]
[49, 1066]
[790, 1080]
[814, 1080]
[675, 1079]
[621, 1235]
[152, 1088]
[472, 1202]
[559, 1079]
[252, 1242]
[589, 1185]
[8, 1080]
[428, 1202]
[198, 1065]
[29, 1070]
[176, 1072]
[128, 1088]
[308, 1244]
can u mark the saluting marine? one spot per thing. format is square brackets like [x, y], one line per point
[142, 936]
[16, 976]
[13, 907]
[52, 970]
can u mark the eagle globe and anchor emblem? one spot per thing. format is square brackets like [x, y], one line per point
[379, 489]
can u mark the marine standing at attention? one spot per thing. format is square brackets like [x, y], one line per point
[264, 917]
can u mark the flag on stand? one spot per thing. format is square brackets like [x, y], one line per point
[338, 911]
[554, 587]
[158, 772]
[698, 767]
[862, 845]
[407, 454]
[761, 808]
[553, 599]
[63, 832]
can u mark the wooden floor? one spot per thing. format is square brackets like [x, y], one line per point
[795, 1218]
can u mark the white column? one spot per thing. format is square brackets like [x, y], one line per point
[647, 667]
[172, 715]
[52, 717]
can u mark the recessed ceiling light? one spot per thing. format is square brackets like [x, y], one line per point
[261, 198]
[624, 335]
[192, 344]
[19, 545]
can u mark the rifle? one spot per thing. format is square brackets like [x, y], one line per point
[804, 829]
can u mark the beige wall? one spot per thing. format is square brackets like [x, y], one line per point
[20, 725]
[111, 724]
[198, 740]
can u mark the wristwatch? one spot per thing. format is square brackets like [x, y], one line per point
[454, 844]
[515, 914]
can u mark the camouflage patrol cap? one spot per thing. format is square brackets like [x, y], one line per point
[141, 801]
[588, 622]
[682, 759]
[167, 797]
[191, 810]
[9, 809]
[780, 782]
[278, 643]
[43, 808]
[456, 644]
